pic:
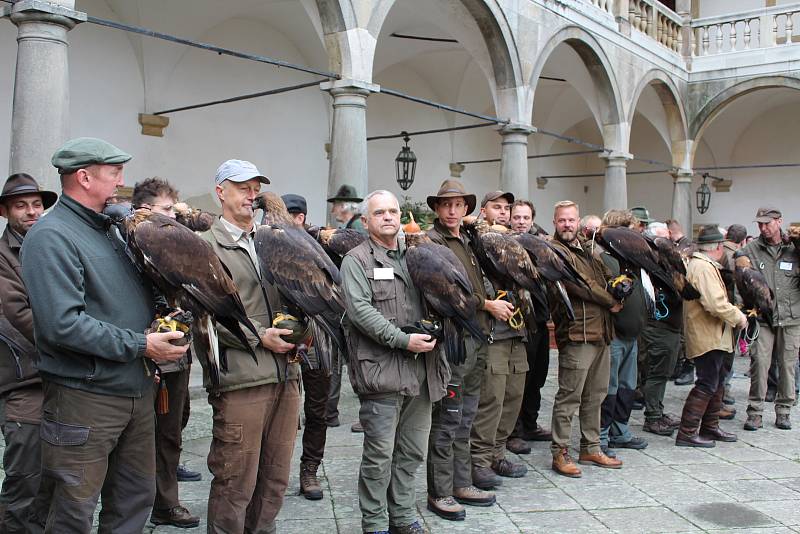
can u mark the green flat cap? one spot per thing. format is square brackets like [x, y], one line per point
[84, 151]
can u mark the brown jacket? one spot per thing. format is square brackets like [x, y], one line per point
[379, 363]
[592, 322]
[260, 305]
[461, 248]
[709, 320]
[17, 352]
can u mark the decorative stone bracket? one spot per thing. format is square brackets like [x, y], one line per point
[153, 124]
[456, 169]
[722, 186]
[541, 182]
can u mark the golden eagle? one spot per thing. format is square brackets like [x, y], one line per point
[508, 266]
[190, 276]
[757, 298]
[638, 257]
[307, 278]
[337, 242]
[444, 284]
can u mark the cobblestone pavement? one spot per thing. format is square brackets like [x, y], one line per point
[749, 486]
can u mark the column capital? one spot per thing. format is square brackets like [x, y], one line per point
[350, 86]
[517, 128]
[42, 11]
[614, 158]
[682, 175]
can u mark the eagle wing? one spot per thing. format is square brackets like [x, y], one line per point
[671, 260]
[298, 266]
[755, 292]
[633, 250]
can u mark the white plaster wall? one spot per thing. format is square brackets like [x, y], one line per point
[8, 58]
[710, 8]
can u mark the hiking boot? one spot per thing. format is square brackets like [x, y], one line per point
[176, 517]
[539, 434]
[635, 443]
[518, 446]
[187, 475]
[659, 427]
[474, 496]
[726, 413]
[782, 421]
[485, 478]
[717, 434]
[310, 487]
[608, 452]
[687, 374]
[508, 469]
[727, 398]
[413, 528]
[672, 420]
[753, 422]
[600, 460]
[333, 422]
[356, 428]
[446, 508]
[564, 465]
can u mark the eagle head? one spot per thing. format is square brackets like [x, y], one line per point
[742, 262]
[417, 238]
[274, 208]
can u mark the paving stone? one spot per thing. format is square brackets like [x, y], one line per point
[541, 500]
[724, 515]
[672, 455]
[742, 452]
[707, 472]
[662, 473]
[779, 469]
[476, 524]
[569, 522]
[755, 490]
[645, 520]
[678, 494]
[785, 512]
[609, 496]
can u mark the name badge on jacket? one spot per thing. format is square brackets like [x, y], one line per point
[383, 273]
[786, 266]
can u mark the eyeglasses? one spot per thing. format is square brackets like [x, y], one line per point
[165, 207]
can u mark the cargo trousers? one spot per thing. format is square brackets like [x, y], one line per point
[500, 400]
[449, 463]
[663, 346]
[782, 343]
[98, 444]
[583, 377]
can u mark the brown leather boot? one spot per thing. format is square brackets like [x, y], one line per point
[310, 487]
[693, 410]
[563, 464]
[709, 428]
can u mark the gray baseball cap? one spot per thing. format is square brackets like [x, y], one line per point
[238, 170]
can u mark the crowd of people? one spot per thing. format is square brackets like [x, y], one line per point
[94, 399]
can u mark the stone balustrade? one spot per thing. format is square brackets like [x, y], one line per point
[658, 21]
[759, 28]
[605, 5]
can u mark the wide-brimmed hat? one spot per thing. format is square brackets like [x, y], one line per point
[643, 214]
[494, 195]
[709, 234]
[453, 189]
[346, 193]
[25, 184]
[766, 214]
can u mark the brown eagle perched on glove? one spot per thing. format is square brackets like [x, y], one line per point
[337, 242]
[304, 274]
[757, 298]
[447, 292]
[189, 275]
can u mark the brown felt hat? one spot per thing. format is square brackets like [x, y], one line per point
[710, 234]
[453, 189]
[25, 184]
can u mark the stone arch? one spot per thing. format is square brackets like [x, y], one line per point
[721, 100]
[668, 95]
[339, 16]
[597, 63]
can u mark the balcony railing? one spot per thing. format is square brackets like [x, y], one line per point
[759, 28]
[658, 21]
[605, 5]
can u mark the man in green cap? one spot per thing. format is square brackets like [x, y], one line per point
[643, 215]
[90, 311]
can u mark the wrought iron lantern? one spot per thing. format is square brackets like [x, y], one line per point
[703, 195]
[406, 163]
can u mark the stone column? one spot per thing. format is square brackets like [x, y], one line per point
[348, 159]
[514, 159]
[615, 192]
[40, 112]
[682, 199]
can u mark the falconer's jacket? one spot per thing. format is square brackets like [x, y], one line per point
[780, 265]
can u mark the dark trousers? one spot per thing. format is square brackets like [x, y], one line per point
[98, 443]
[332, 407]
[317, 386]
[251, 452]
[168, 439]
[24, 500]
[663, 346]
[711, 369]
[449, 463]
[538, 349]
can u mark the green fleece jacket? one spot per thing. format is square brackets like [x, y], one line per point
[90, 305]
